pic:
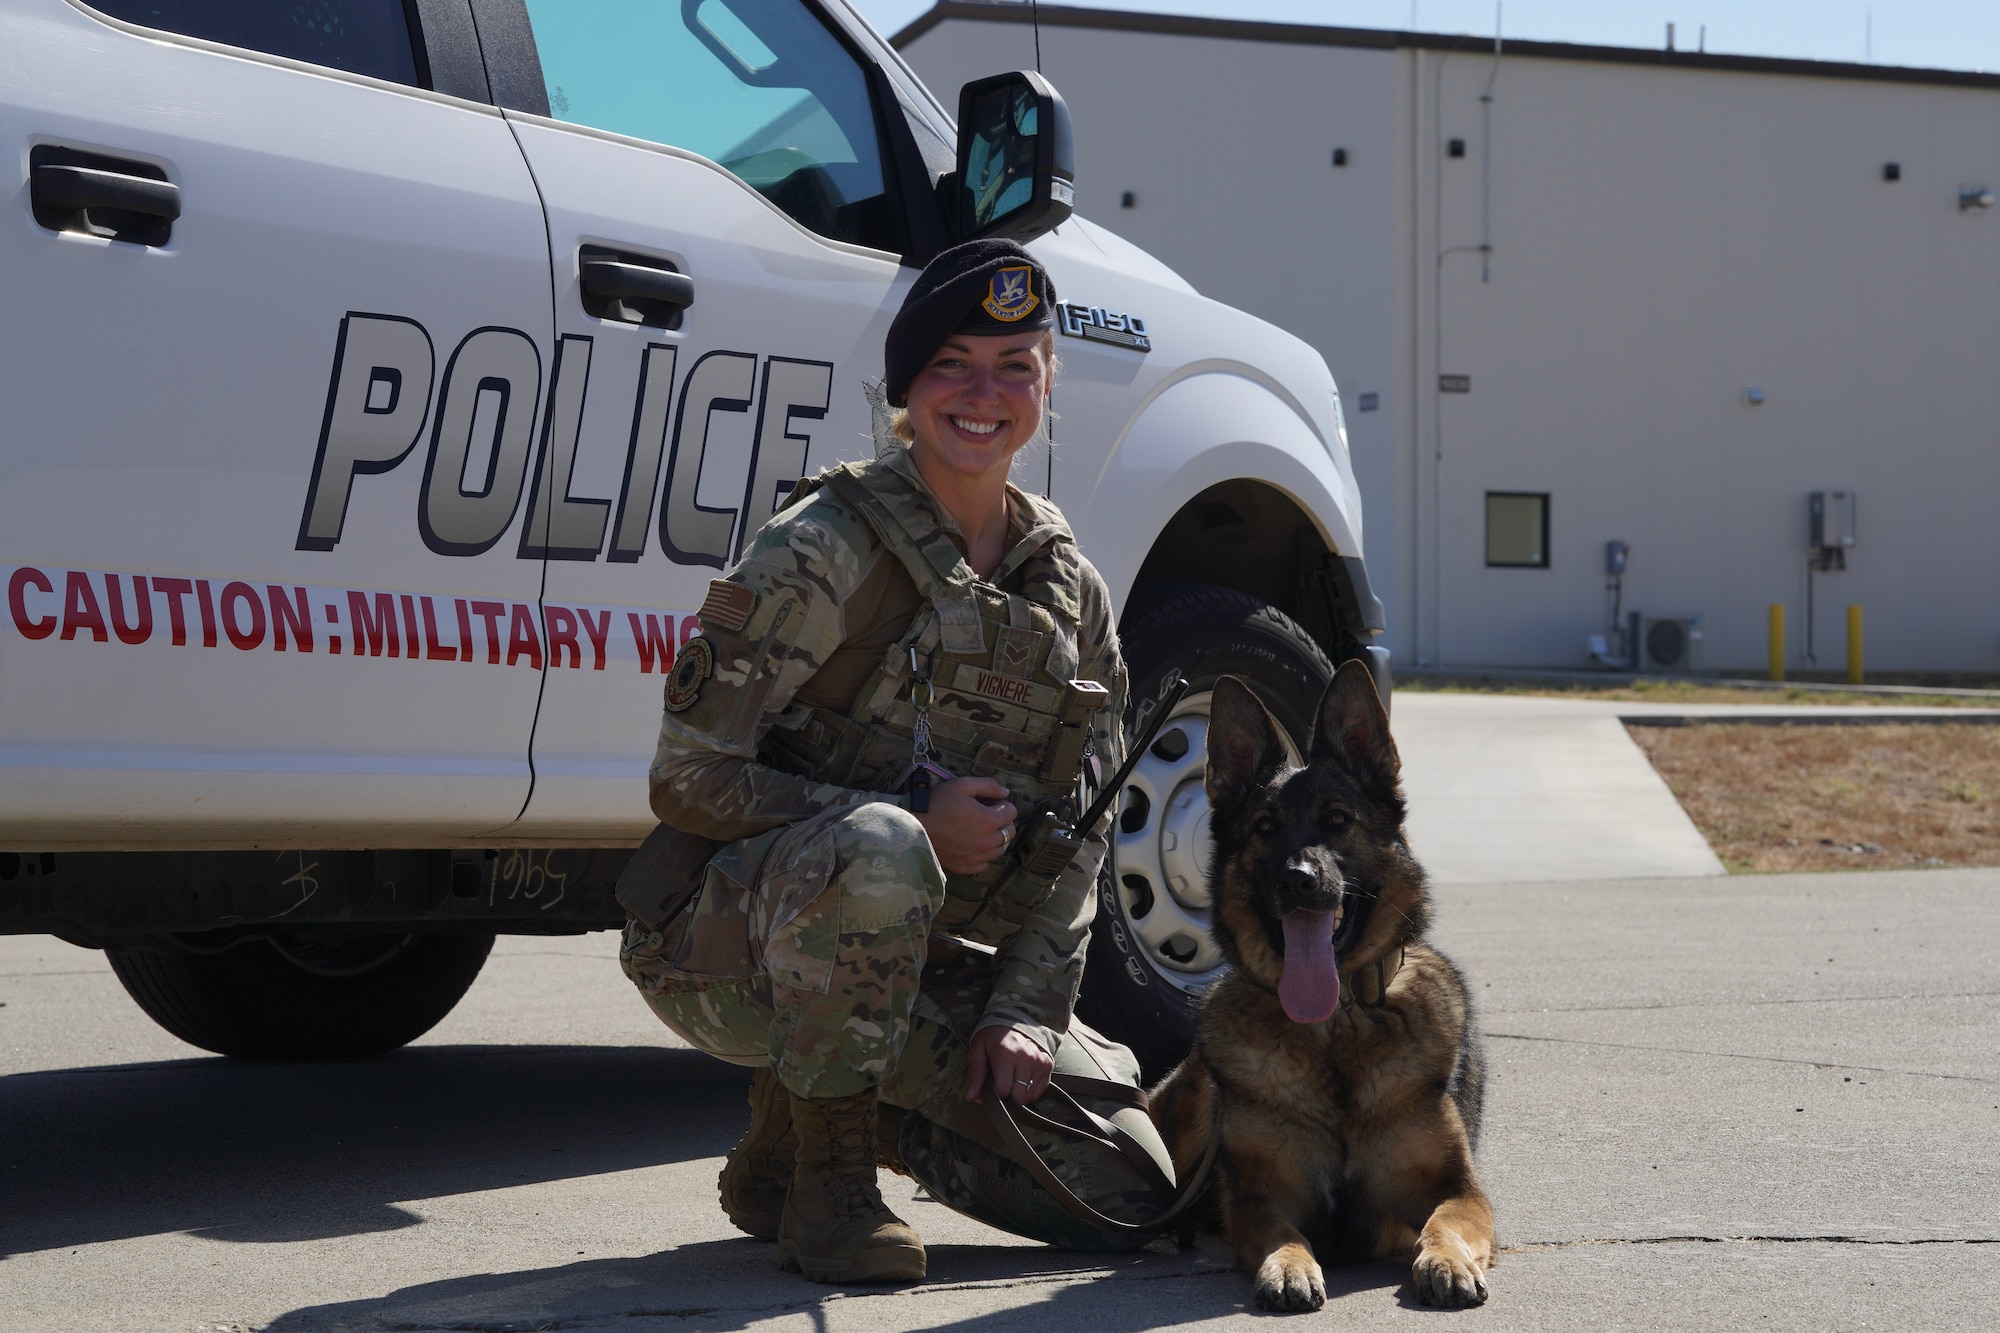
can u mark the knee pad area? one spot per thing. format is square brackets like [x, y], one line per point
[883, 843]
[883, 827]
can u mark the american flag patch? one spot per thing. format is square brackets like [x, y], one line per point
[727, 607]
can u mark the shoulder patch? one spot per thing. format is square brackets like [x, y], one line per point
[695, 664]
[728, 606]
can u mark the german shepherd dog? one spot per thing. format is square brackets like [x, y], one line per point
[1337, 1058]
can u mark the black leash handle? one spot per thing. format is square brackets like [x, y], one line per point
[1005, 1118]
[1163, 707]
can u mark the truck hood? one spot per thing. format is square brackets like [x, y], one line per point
[1122, 254]
[1195, 335]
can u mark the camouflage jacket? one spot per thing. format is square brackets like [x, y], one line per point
[778, 615]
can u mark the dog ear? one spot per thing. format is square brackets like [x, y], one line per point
[1353, 730]
[1242, 740]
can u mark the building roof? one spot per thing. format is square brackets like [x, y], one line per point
[1380, 39]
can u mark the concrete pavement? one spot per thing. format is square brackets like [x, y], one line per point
[1519, 788]
[1768, 1102]
[1511, 788]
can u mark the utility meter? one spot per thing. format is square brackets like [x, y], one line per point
[1831, 523]
[1831, 515]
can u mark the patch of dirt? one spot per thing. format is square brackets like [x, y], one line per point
[1688, 692]
[1834, 798]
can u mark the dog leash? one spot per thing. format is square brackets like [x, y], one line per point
[1005, 1118]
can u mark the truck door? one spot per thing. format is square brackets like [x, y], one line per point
[724, 230]
[271, 349]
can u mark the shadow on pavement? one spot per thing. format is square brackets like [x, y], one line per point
[723, 1285]
[241, 1151]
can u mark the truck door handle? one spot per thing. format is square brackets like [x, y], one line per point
[100, 195]
[58, 187]
[610, 280]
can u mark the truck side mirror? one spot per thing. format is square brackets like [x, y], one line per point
[1016, 172]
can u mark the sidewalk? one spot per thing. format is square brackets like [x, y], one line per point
[1509, 788]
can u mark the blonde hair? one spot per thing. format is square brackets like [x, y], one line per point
[899, 417]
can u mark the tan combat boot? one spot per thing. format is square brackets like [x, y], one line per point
[836, 1227]
[759, 1169]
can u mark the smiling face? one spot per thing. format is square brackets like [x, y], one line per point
[978, 400]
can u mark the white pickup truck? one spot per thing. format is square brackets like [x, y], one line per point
[384, 380]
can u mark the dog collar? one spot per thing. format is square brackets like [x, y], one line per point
[1373, 978]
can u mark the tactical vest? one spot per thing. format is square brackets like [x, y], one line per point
[1001, 664]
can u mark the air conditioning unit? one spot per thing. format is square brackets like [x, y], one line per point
[1666, 643]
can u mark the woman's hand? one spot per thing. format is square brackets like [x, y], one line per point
[970, 824]
[1014, 1061]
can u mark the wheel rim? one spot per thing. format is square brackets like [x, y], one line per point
[1163, 850]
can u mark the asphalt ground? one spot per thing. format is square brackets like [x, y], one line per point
[1758, 1102]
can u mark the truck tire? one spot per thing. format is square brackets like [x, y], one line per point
[1151, 956]
[305, 997]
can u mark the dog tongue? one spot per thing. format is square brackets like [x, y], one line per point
[1310, 987]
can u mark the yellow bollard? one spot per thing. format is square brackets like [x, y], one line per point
[1777, 641]
[1854, 644]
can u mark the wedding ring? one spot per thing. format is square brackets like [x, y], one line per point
[1006, 836]
[1025, 1082]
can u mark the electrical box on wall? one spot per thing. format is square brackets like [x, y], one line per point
[1665, 643]
[1831, 515]
[1830, 533]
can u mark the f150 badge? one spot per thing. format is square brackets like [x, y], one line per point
[1105, 326]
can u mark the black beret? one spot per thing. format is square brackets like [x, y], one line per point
[980, 287]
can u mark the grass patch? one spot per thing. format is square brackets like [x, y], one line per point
[1836, 798]
[1685, 692]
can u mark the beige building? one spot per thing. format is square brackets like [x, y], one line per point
[1575, 295]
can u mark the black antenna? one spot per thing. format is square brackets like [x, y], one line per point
[1048, 426]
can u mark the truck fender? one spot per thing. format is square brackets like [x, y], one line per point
[1203, 429]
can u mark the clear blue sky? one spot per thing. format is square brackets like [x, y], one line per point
[1940, 34]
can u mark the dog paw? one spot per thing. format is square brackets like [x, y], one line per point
[1452, 1281]
[1290, 1282]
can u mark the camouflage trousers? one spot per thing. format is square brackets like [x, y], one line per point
[808, 949]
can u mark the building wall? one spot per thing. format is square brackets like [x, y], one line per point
[1664, 238]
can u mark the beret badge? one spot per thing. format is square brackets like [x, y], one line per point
[1010, 296]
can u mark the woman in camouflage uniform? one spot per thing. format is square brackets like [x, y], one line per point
[864, 940]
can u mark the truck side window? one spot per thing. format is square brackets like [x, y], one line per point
[372, 37]
[760, 87]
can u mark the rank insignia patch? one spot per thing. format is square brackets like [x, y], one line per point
[1010, 297]
[1017, 652]
[695, 664]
